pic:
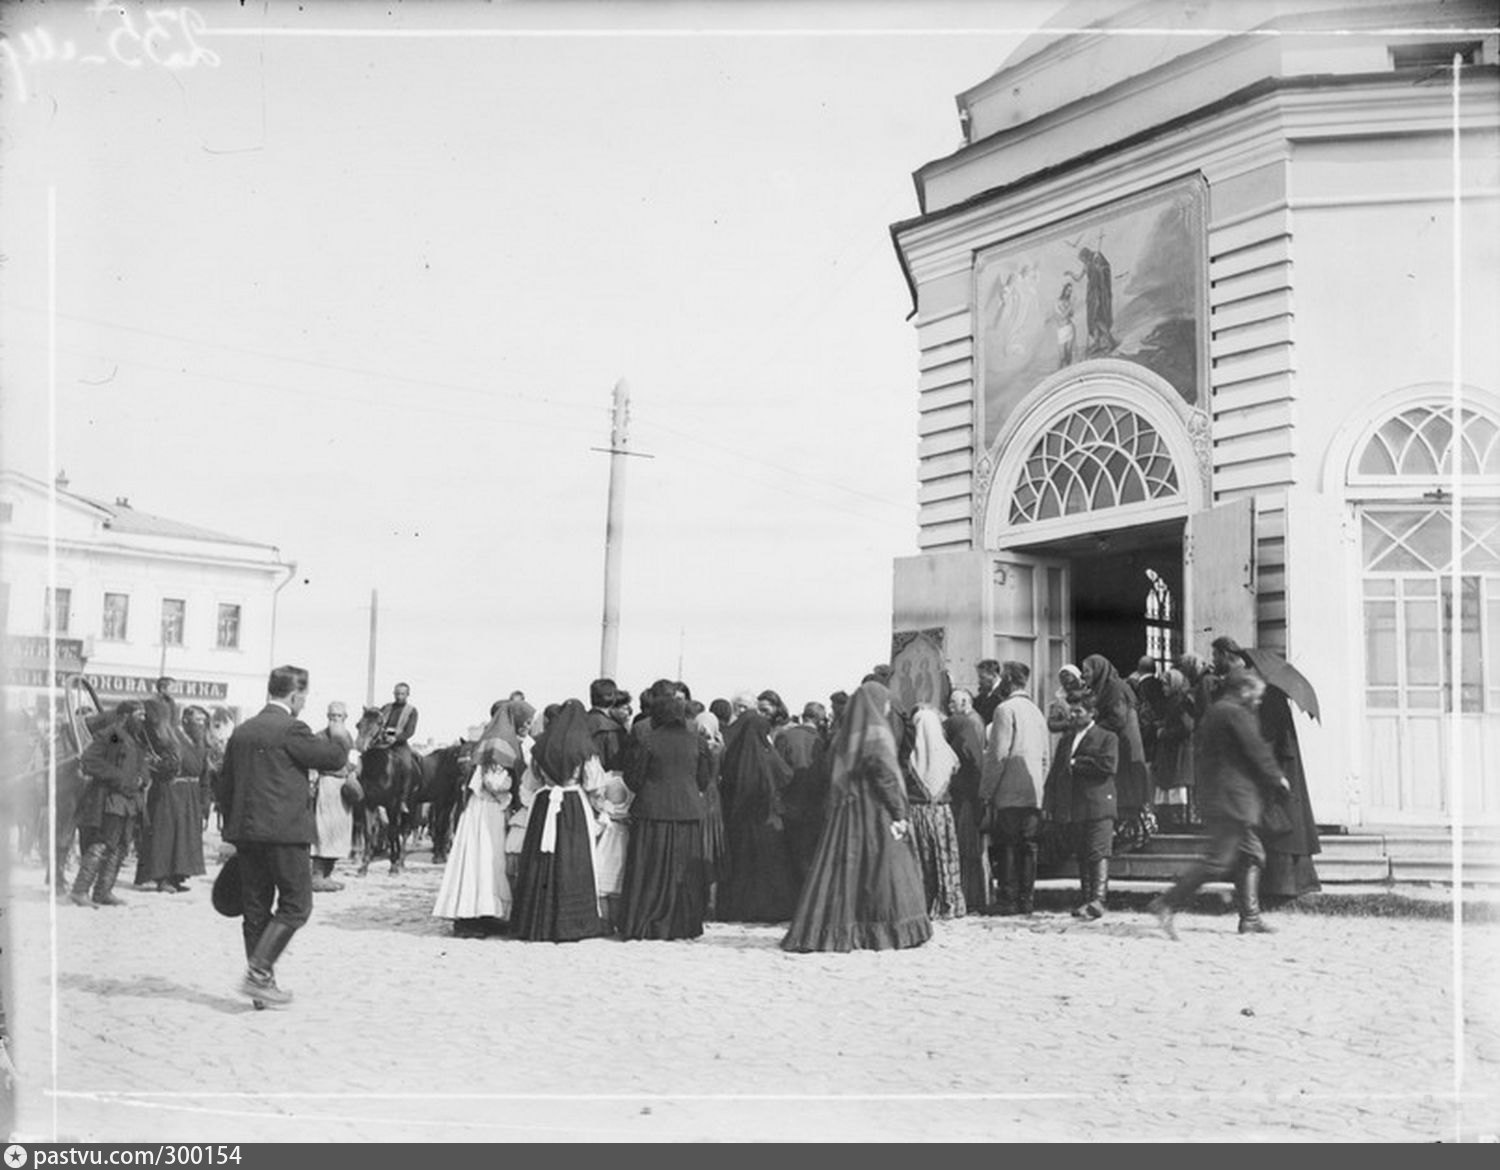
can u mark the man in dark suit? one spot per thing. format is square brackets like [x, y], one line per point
[1237, 775]
[269, 819]
[609, 735]
[1081, 792]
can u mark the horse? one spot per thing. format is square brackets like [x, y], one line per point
[389, 780]
[441, 787]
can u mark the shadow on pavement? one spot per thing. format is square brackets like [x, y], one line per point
[153, 987]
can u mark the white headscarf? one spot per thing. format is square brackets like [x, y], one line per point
[934, 761]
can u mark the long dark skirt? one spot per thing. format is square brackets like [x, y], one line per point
[715, 854]
[762, 885]
[864, 891]
[663, 895]
[556, 900]
[174, 846]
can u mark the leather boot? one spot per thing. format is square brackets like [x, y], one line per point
[1026, 879]
[259, 981]
[1085, 886]
[88, 873]
[1006, 879]
[1249, 896]
[1095, 908]
[109, 870]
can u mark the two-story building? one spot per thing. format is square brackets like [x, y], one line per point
[1205, 306]
[129, 597]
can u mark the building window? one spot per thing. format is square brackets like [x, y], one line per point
[229, 627]
[1418, 444]
[1161, 616]
[173, 618]
[57, 610]
[116, 619]
[1098, 457]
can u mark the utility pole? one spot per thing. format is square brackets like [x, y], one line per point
[614, 529]
[370, 676]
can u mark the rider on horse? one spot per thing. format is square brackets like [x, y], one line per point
[398, 722]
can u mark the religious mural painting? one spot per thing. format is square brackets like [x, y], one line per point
[919, 673]
[1127, 282]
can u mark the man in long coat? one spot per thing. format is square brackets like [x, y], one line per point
[269, 819]
[1236, 773]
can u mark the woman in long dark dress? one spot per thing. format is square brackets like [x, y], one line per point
[1115, 710]
[556, 896]
[173, 848]
[965, 731]
[864, 891]
[760, 886]
[664, 891]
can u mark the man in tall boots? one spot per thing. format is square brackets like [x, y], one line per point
[116, 764]
[1237, 772]
[269, 820]
[1081, 793]
[1017, 756]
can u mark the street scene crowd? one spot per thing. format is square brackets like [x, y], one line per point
[859, 823]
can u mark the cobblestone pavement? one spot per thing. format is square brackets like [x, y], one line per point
[1336, 1028]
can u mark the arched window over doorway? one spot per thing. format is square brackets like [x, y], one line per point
[1099, 456]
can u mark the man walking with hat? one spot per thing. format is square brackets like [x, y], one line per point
[269, 819]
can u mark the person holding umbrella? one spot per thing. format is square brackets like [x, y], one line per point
[1289, 830]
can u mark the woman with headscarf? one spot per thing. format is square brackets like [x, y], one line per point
[1060, 710]
[864, 891]
[172, 848]
[760, 886]
[715, 846]
[475, 892]
[663, 890]
[1172, 765]
[933, 764]
[965, 731]
[1115, 710]
[557, 898]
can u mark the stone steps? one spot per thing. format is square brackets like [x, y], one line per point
[1367, 856]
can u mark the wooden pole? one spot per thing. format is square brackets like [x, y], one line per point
[614, 531]
[370, 676]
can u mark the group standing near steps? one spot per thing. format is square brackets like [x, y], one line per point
[858, 829]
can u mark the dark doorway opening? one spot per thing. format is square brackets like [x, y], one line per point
[1127, 593]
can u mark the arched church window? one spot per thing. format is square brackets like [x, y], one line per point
[1160, 621]
[1418, 443]
[1099, 456]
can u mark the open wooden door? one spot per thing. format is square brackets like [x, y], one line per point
[1030, 616]
[1218, 553]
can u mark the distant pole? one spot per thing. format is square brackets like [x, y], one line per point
[370, 676]
[614, 529]
[681, 641]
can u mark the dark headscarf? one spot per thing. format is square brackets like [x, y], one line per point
[1098, 672]
[560, 753]
[863, 738]
[506, 726]
[753, 774]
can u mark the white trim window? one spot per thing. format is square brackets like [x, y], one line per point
[114, 619]
[228, 636]
[173, 620]
[57, 609]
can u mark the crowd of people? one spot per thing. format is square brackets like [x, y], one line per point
[862, 823]
[858, 823]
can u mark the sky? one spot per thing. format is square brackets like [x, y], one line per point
[358, 281]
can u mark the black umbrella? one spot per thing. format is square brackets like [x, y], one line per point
[1280, 673]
